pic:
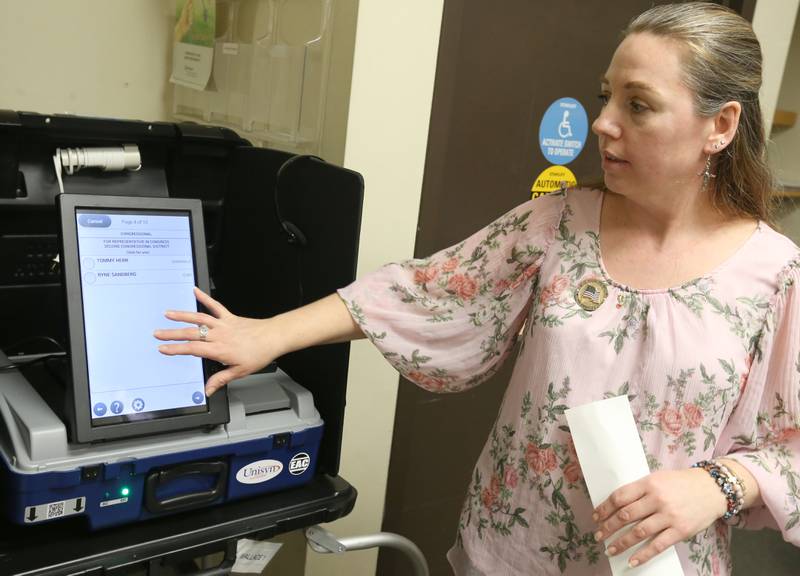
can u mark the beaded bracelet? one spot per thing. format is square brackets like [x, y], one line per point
[729, 483]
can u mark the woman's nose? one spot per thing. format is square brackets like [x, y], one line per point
[604, 125]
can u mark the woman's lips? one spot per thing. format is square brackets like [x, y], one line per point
[611, 161]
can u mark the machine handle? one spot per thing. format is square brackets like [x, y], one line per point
[156, 478]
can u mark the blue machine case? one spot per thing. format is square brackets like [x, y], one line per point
[271, 443]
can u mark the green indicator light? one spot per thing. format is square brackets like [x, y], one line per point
[125, 491]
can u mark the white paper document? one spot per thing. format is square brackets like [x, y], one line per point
[193, 43]
[253, 555]
[610, 454]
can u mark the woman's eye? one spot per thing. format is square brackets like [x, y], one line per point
[637, 106]
[603, 98]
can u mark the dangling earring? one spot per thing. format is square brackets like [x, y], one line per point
[706, 174]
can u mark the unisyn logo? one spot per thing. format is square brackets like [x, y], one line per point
[260, 471]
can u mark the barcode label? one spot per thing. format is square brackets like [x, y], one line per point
[55, 509]
[52, 510]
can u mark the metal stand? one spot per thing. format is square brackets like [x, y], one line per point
[324, 542]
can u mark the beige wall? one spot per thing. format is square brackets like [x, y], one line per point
[773, 22]
[785, 146]
[337, 102]
[87, 57]
[387, 135]
[113, 57]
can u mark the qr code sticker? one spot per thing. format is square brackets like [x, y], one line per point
[55, 509]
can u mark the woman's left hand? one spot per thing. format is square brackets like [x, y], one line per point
[664, 507]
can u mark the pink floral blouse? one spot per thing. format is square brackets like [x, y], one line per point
[711, 367]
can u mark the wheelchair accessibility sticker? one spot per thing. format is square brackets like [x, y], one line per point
[563, 130]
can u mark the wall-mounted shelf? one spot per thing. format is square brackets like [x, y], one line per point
[784, 119]
[788, 192]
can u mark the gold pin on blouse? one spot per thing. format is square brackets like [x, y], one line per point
[591, 294]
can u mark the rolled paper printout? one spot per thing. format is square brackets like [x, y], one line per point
[611, 455]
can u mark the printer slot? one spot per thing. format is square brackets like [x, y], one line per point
[262, 393]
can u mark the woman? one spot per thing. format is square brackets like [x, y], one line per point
[667, 286]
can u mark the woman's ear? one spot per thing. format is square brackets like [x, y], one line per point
[726, 122]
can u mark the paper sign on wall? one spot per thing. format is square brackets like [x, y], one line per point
[193, 50]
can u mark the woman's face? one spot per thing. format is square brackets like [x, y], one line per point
[651, 139]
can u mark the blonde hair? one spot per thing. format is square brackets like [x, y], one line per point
[722, 63]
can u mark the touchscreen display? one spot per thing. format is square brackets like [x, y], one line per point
[135, 265]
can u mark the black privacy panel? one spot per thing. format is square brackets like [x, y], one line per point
[262, 273]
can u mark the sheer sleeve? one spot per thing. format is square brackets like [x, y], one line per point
[447, 322]
[763, 431]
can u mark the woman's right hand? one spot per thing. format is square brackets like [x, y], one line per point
[242, 345]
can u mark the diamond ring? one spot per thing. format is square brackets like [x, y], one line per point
[203, 329]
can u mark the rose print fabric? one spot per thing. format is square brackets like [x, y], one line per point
[711, 367]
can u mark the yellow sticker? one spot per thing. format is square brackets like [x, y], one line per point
[552, 178]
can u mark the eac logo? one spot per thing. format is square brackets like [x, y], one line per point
[299, 463]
